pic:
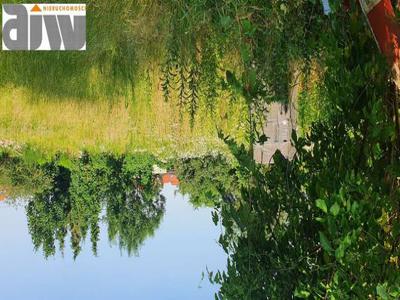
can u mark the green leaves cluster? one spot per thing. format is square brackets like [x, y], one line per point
[203, 178]
[324, 225]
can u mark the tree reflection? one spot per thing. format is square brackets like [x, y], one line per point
[119, 191]
[132, 217]
[48, 215]
[203, 178]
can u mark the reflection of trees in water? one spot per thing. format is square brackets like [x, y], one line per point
[73, 205]
[203, 178]
[48, 216]
[132, 217]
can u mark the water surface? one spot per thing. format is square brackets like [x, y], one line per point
[168, 265]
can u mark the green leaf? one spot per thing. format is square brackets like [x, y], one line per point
[248, 28]
[335, 208]
[225, 21]
[344, 244]
[381, 291]
[324, 242]
[245, 53]
[294, 136]
[262, 139]
[321, 204]
[339, 252]
[215, 217]
[284, 8]
[302, 294]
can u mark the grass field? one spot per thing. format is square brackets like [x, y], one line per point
[109, 97]
[148, 123]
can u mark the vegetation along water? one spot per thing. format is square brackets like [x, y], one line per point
[182, 88]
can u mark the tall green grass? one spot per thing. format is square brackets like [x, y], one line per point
[147, 124]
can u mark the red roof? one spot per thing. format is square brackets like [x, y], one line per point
[3, 197]
[170, 178]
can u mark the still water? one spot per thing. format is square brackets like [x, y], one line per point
[167, 265]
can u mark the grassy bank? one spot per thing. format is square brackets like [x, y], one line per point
[150, 124]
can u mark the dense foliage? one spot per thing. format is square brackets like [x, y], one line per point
[210, 173]
[73, 198]
[324, 225]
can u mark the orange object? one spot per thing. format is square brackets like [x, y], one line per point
[36, 8]
[3, 197]
[174, 180]
[170, 178]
